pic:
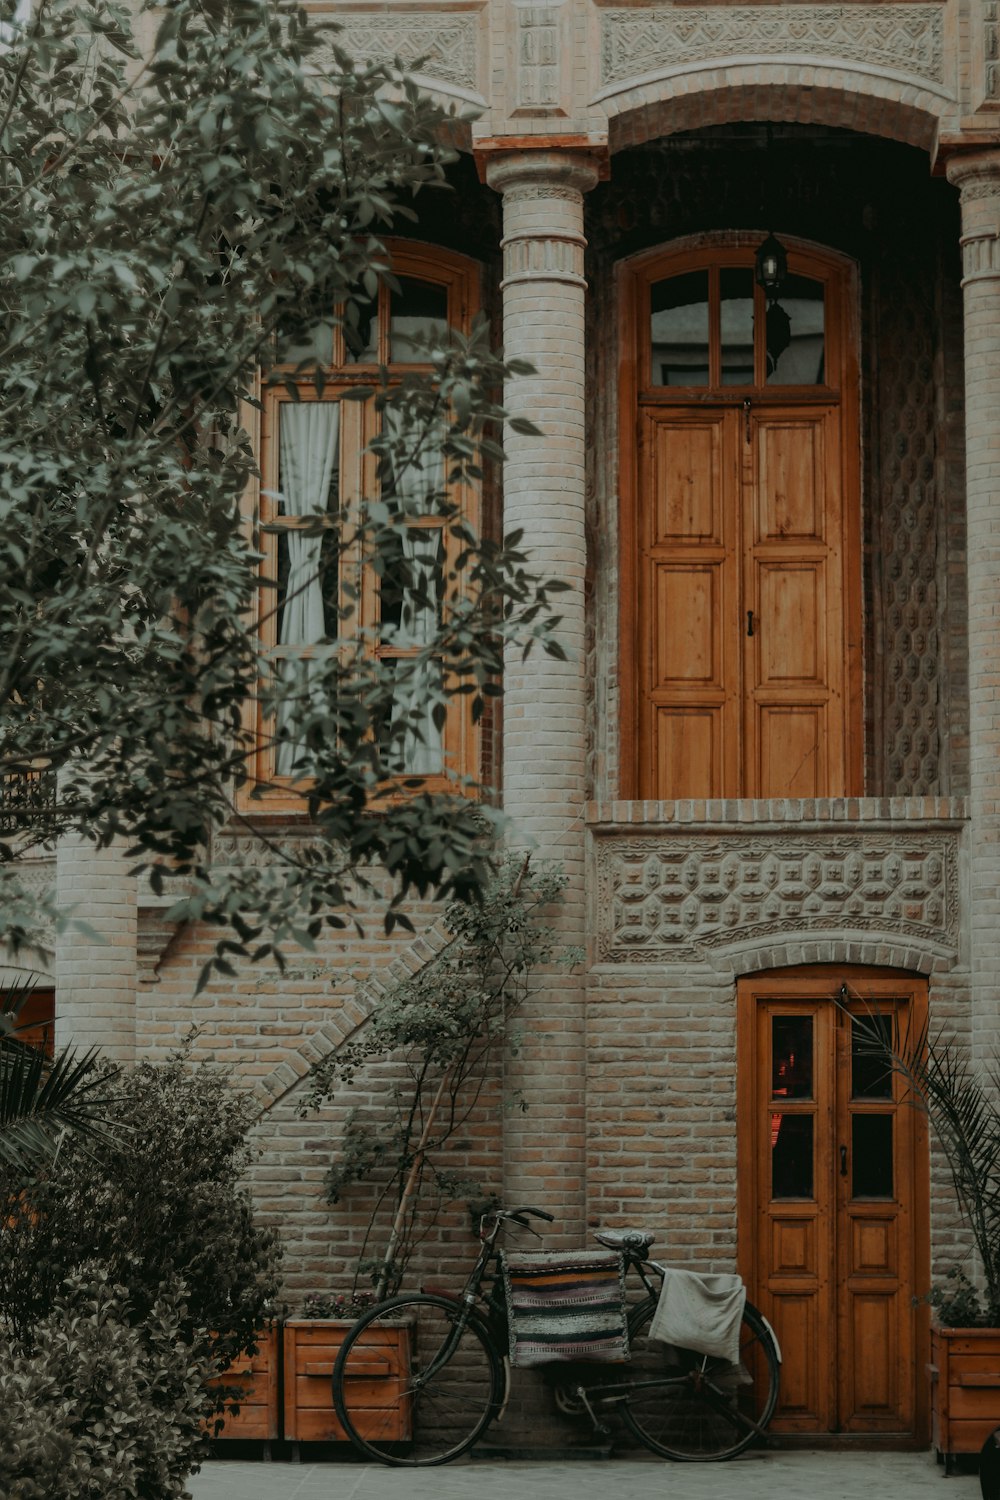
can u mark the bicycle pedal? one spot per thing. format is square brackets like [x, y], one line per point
[601, 1429]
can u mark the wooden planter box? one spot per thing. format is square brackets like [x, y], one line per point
[965, 1388]
[258, 1375]
[311, 1348]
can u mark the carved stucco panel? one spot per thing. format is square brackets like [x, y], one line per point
[444, 43]
[991, 52]
[671, 897]
[899, 38]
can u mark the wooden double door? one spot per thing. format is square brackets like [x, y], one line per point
[833, 1201]
[741, 623]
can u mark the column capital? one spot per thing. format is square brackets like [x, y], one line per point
[976, 174]
[541, 173]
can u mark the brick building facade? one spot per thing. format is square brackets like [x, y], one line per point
[770, 764]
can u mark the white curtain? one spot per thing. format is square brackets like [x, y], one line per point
[416, 481]
[422, 740]
[308, 444]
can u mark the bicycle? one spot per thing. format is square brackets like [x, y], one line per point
[420, 1377]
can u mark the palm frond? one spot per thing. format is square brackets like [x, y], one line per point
[963, 1109]
[40, 1102]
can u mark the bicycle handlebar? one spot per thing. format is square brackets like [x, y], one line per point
[517, 1214]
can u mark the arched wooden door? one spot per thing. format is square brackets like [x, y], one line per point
[741, 615]
[833, 1215]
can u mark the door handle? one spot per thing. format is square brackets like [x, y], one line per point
[749, 622]
[843, 1161]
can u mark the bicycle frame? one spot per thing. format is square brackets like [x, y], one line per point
[651, 1274]
[681, 1404]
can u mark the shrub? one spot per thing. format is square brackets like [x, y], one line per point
[162, 1204]
[101, 1407]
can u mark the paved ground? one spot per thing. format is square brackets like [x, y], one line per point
[763, 1476]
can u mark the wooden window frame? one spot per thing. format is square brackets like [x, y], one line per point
[265, 791]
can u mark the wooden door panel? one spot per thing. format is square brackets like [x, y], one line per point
[874, 1249]
[792, 749]
[792, 476]
[689, 750]
[791, 649]
[687, 646]
[873, 1398]
[689, 480]
[801, 1405]
[793, 1247]
[795, 659]
[690, 714]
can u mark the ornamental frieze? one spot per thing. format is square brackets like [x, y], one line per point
[664, 898]
[444, 43]
[897, 38]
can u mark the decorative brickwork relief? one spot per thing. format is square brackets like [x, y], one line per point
[538, 44]
[905, 519]
[990, 34]
[445, 43]
[675, 897]
[898, 38]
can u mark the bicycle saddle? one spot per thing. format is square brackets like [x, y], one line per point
[635, 1241]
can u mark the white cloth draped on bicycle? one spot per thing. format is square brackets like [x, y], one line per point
[702, 1313]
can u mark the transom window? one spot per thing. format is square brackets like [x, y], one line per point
[316, 461]
[713, 327]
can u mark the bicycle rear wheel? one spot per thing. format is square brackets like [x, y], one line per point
[410, 1387]
[697, 1409]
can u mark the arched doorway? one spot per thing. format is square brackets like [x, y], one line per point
[833, 1198]
[741, 535]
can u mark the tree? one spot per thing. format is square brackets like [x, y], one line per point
[441, 1029]
[174, 219]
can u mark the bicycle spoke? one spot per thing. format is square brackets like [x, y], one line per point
[689, 1407]
[411, 1386]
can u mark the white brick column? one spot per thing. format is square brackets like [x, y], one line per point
[544, 772]
[978, 179]
[96, 970]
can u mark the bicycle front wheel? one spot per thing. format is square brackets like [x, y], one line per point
[690, 1407]
[412, 1385]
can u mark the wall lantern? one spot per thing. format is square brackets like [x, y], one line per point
[771, 266]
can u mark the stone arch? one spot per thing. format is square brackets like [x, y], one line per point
[875, 950]
[912, 112]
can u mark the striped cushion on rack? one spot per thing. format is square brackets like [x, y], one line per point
[565, 1305]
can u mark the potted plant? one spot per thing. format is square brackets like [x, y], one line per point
[249, 1385]
[311, 1344]
[962, 1102]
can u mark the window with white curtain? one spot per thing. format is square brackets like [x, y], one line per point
[316, 469]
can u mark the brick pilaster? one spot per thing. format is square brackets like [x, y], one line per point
[978, 179]
[95, 964]
[544, 709]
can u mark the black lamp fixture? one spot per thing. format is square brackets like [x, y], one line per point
[771, 265]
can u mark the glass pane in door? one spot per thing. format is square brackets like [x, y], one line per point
[736, 324]
[871, 1156]
[795, 334]
[871, 1074]
[791, 1156]
[679, 330]
[792, 1057]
